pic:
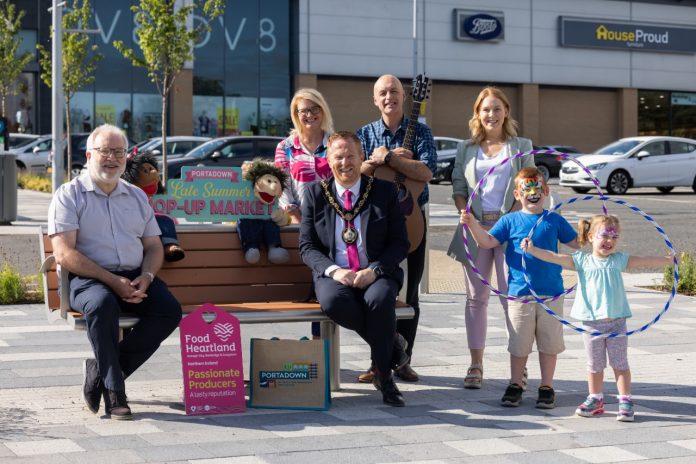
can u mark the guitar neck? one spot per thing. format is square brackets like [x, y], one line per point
[411, 127]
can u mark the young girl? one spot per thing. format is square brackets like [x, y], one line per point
[601, 304]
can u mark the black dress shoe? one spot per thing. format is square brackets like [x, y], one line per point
[406, 373]
[399, 356]
[390, 392]
[92, 386]
[116, 405]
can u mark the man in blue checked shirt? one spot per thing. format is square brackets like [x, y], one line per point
[382, 142]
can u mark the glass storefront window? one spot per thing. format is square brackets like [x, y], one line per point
[207, 114]
[81, 112]
[147, 117]
[246, 58]
[667, 113]
[684, 114]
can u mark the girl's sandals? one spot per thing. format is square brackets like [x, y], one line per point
[474, 376]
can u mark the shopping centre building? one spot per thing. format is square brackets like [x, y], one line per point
[577, 72]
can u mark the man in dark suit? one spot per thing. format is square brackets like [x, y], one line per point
[353, 237]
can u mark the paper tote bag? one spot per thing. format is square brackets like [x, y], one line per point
[289, 374]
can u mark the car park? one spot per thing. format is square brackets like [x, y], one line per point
[177, 145]
[33, 155]
[225, 152]
[18, 139]
[550, 165]
[648, 161]
[446, 148]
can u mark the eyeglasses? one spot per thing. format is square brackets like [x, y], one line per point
[307, 111]
[117, 153]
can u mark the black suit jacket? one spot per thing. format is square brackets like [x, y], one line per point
[383, 229]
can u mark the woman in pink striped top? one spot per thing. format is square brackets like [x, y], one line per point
[303, 153]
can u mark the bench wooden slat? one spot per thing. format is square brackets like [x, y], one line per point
[214, 271]
[252, 294]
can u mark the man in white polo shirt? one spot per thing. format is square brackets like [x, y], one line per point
[106, 240]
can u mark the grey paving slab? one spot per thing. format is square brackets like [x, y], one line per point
[172, 453]
[122, 456]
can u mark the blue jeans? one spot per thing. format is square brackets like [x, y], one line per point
[168, 228]
[252, 232]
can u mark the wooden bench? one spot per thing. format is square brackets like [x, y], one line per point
[214, 271]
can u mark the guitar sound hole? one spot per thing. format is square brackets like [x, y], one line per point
[405, 199]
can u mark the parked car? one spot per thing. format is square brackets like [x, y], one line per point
[225, 151]
[650, 161]
[18, 140]
[446, 148]
[550, 165]
[33, 155]
[177, 145]
[79, 155]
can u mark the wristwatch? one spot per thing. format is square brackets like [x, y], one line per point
[388, 157]
[150, 275]
[378, 270]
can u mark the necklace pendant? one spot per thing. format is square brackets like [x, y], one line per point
[349, 235]
[349, 216]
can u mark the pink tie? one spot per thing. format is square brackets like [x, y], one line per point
[351, 248]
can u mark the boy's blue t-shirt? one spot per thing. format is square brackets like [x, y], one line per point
[546, 277]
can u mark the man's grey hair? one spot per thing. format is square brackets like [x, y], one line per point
[109, 129]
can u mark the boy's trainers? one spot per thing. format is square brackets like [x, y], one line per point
[547, 398]
[591, 407]
[625, 413]
[512, 396]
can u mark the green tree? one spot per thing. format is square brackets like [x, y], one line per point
[11, 65]
[79, 61]
[166, 41]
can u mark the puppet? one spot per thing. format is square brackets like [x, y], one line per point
[269, 182]
[141, 171]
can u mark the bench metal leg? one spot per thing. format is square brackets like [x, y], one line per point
[329, 331]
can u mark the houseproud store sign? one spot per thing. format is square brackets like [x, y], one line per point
[624, 35]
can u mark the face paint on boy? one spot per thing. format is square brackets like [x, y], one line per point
[531, 188]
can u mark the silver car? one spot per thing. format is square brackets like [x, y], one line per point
[33, 156]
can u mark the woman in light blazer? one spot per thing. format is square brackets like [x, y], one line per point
[493, 138]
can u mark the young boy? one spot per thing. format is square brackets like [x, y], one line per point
[527, 322]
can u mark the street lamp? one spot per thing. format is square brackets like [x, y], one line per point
[57, 135]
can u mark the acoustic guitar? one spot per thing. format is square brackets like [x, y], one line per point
[408, 189]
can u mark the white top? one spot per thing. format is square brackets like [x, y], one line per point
[341, 254]
[493, 191]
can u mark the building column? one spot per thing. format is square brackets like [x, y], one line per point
[306, 81]
[528, 114]
[627, 112]
[181, 104]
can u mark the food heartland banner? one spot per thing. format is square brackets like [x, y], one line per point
[210, 194]
[211, 359]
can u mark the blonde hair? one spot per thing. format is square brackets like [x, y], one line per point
[478, 132]
[585, 226]
[316, 97]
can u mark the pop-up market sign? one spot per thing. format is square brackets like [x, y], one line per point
[209, 194]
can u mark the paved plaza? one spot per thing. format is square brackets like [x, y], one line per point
[43, 420]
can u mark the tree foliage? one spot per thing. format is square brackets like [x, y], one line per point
[166, 41]
[11, 65]
[79, 59]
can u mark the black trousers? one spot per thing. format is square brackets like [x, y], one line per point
[159, 315]
[369, 312]
[416, 265]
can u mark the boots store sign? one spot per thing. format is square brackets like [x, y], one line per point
[625, 35]
[479, 26]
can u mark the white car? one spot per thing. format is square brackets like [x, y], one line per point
[650, 161]
[33, 155]
[446, 148]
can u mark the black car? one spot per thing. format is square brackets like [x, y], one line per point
[225, 151]
[446, 148]
[550, 165]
